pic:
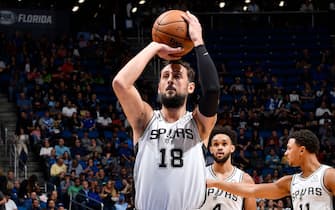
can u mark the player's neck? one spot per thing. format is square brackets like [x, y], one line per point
[223, 170]
[172, 115]
[310, 165]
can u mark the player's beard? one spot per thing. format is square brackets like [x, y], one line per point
[175, 101]
[223, 159]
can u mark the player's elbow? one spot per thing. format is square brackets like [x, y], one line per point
[118, 85]
[209, 103]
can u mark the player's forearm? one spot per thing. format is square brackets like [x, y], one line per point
[134, 68]
[209, 81]
[244, 190]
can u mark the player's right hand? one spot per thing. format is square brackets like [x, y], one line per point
[168, 53]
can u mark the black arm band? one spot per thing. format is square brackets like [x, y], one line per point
[209, 81]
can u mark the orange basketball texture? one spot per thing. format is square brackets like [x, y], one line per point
[170, 28]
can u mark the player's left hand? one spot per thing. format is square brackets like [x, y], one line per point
[194, 28]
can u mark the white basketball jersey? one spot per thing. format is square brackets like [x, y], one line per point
[310, 193]
[217, 199]
[170, 170]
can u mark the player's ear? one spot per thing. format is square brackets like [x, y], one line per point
[233, 148]
[302, 149]
[191, 87]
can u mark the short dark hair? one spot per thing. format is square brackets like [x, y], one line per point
[307, 139]
[190, 70]
[223, 130]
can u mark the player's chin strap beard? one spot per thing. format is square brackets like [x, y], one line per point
[172, 102]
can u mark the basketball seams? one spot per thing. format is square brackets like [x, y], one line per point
[167, 23]
[171, 35]
[171, 29]
[160, 20]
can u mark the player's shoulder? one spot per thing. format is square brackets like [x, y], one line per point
[329, 172]
[246, 177]
[329, 179]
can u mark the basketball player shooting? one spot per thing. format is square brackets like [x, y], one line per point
[221, 145]
[169, 171]
[312, 189]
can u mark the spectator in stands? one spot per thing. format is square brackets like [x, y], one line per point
[261, 204]
[237, 87]
[35, 205]
[272, 160]
[94, 147]
[64, 187]
[61, 148]
[36, 135]
[45, 151]
[121, 204]
[58, 170]
[51, 205]
[10, 179]
[22, 142]
[10, 204]
[307, 94]
[24, 121]
[67, 159]
[69, 109]
[74, 188]
[54, 196]
[46, 123]
[78, 148]
[88, 121]
[76, 167]
[109, 195]
[53, 158]
[104, 123]
[74, 123]
[91, 166]
[95, 200]
[101, 177]
[23, 103]
[28, 200]
[93, 102]
[322, 109]
[82, 195]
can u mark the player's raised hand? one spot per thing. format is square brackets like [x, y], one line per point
[168, 53]
[194, 28]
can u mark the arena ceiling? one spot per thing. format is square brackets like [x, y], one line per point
[91, 12]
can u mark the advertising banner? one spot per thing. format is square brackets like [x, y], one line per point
[37, 22]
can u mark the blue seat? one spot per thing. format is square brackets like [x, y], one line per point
[66, 134]
[93, 134]
[108, 134]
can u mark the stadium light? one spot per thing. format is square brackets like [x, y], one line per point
[222, 4]
[75, 8]
[281, 3]
[141, 2]
[245, 8]
[81, 1]
[247, 1]
[134, 10]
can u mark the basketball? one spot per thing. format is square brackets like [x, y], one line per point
[171, 29]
